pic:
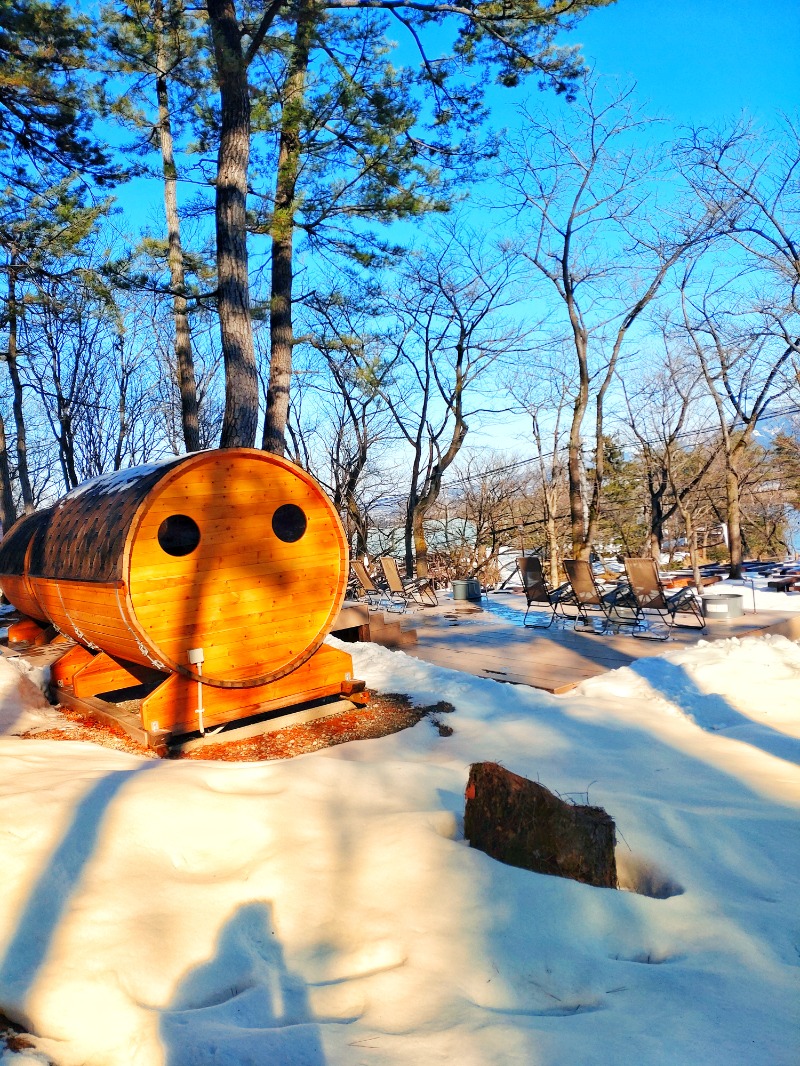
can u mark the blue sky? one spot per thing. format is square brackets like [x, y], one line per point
[694, 61]
[700, 61]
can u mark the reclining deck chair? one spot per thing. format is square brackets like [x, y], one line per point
[616, 607]
[539, 593]
[647, 590]
[419, 591]
[376, 597]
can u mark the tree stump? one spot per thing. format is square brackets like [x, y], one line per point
[523, 824]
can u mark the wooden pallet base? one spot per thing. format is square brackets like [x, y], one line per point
[32, 634]
[261, 725]
[108, 714]
[164, 743]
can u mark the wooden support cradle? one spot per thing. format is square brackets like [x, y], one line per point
[170, 708]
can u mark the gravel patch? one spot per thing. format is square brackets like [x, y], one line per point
[384, 714]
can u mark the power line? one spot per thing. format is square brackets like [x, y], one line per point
[785, 412]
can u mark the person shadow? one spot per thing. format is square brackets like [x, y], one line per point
[243, 1006]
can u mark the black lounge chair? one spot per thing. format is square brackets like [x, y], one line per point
[539, 594]
[615, 607]
[418, 591]
[647, 590]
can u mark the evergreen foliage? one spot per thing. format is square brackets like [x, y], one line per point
[44, 115]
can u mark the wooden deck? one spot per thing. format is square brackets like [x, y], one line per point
[490, 642]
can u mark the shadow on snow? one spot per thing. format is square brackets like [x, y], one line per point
[244, 1004]
[712, 712]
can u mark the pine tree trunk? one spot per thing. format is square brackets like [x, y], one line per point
[281, 324]
[8, 508]
[16, 385]
[183, 341]
[241, 380]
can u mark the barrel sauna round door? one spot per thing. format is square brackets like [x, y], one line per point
[241, 554]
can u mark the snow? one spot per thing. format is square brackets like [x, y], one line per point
[118, 480]
[326, 910]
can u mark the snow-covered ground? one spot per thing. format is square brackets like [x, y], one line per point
[326, 910]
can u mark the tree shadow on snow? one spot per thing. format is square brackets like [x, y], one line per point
[712, 712]
[243, 1005]
[52, 893]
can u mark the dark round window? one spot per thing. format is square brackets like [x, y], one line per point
[178, 534]
[289, 523]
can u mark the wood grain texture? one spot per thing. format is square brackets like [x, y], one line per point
[173, 705]
[257, 605]
[63, 671]
[104, 674]
[18, 591]
[27, 631]
[92, 614]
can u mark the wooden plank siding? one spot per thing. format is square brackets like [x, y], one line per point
[257, 605]
[257, 602]
[173, 705]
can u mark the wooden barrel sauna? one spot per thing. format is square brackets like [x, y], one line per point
[237, 552]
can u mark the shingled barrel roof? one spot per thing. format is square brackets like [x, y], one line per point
[82, 537]
[15, 542]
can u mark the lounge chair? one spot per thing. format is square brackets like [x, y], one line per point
[539, 594]
[376, 597]
[649, 593]
[418, 591]
[615, 607]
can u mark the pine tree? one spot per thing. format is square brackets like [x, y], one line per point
[44, 115]
[509, 41]
[155, 45]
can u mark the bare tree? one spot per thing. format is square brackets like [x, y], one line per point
[345, 376]
[666, 411]
[743, 318]
[449, 333]
[498, 500]
[89, 364]
[741, 367]
[748, 178]
[545, 397]
[599, 240]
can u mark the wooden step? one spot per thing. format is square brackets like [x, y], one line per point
[389, 632]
